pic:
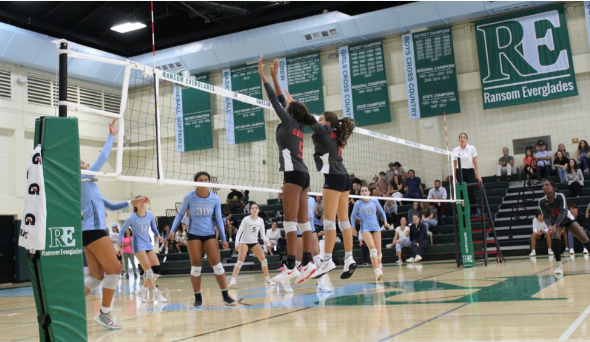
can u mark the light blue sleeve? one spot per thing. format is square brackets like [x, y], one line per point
[219, 219]
[114, 206]
[103, 157]
[353, 214]
[181, 211]
[124, 227]
[153, 225]
[380, 209]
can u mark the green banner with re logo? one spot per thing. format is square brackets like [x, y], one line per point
[525, 57]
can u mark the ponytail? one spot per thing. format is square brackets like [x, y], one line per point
[344, 127]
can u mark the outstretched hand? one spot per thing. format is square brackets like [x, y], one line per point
[261, 70]
[141, 200]
[274, 68]
[112, 129]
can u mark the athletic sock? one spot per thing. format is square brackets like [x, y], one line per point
[290, 262]
[306, 259]
[347, 254]
[317, 260]
[105, 310]
[198, 296]
[327, 256]
[224, 294]
[297, 263]
[556, 246]
[267, 278]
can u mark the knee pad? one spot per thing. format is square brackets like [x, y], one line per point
[304, 227]
[218, 269]
[149, 274]
[380, 256]
[239, 264]
[156, 269]
[91, 283]
[196, 271]
[264, 263]
[110, 281]
[373, 252]
[329, 225]
[344, 225]
[290, 226]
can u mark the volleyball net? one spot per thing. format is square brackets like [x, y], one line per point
[172, 126]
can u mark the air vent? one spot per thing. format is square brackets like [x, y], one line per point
[112, 102]
[171, 66]
[314, 36]
[91, 98]
[5, 84]
[39, 91]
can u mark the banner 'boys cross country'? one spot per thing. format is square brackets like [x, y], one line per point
[431, 79]
[243, 122]
[193, 126]
[365, 96]
[525, 58]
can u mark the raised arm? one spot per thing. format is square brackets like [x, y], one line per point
[272, 96]
[274, 69]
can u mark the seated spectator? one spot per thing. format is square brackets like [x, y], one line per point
[505, 165]
[543, 158]
[171, 241]
[390, 173]
[228, 226]
[429, 217]
[354, 180]
[165, 235]
[540, 230]
[583, 155]
[234, 200]
[397, 186]
[413, 186]
[560, 162]
[414, 210]
[401, 239]
[418, 239]
[399, 170]
[390, 209]
[319, 208]
[245, 202]
[574, 178]
[273, 235]
[438, 192]
[181, 237]
[561, 148]
[581, 219]
[529, 165]
[374, 184]
[382, 189]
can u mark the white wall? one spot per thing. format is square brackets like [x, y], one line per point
[488, 130]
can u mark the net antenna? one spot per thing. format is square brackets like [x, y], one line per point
[146, 148]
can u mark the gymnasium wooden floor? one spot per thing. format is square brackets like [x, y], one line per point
[520, 300]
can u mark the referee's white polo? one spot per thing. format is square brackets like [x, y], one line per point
[466, 154]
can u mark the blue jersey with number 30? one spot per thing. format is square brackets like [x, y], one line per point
[140, 227]
[203, 210]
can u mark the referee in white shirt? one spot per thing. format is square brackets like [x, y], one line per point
[469, 167]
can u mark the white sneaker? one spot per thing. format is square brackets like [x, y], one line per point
[106, 320]
[417, 258]
[323, 268]
[306, 273]
[269, 282]
[378, 274]
[349, 267]
[389, 246]
[533, 253]
[585, 250]
[158, 296]
[232, 284]
[550, 252]
[286, 274]
[322, 287]
[572, 251]
[559, 269]
[399, 262]
[287, 286]
[141, 294]
[410, 260]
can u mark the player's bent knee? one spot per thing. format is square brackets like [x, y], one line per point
[196, 271]
[110, 281]
[264, 263]
[218, 269]
[239, 264]
[91, 283]
[373, 252]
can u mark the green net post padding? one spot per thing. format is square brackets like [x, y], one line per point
[466, 241]
[57, 273]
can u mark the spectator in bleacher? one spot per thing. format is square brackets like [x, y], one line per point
[469, 168]
[351, 201]
[583, 155]
[561, 148]
[245, 202]
[354, 180]
[171, 241]
[181, 238]
[573, 208]
[401, 239]
[273, 235]
[228, 225]
[382, 189]
[375, 180]
[414, 210]
[397, 187]
[505, 165]
[543, 158]
[560, 162]
[413, 186]
[540, 230]
[390, 209]
[319, 208]
[574, 178]
[390, 173]
[529, 164]
[234, 200]
[438, 192]
[429, 216]
[418, 239]
[165, 234]
[399, 170]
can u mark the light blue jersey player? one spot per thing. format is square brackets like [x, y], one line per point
[205, 213]
[140, 226]
[367, 210]
[311, 212]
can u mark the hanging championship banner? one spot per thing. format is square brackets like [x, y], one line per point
[194, 130]
[587, 15]
[525, 58]
[365, 96]
[243, 122]
[431, 79]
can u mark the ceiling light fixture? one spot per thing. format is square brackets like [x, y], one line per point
[128, 27]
